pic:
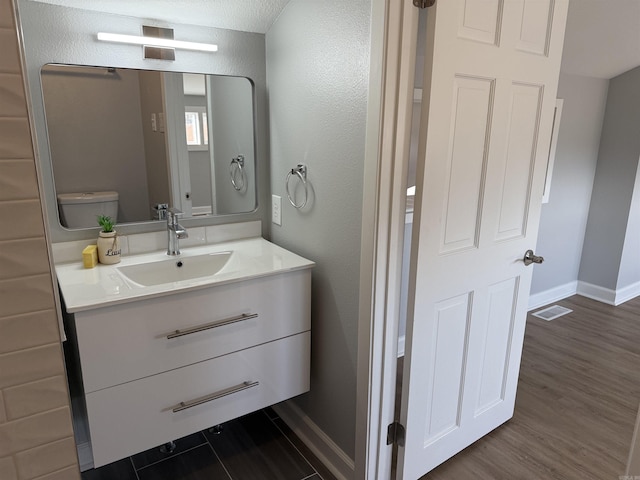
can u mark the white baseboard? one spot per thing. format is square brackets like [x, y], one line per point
[555, 294]
[85, 456]
[589, 290]
[401, 346]
[627, 293]
[330, 454]
[596, 292]
[608, 296]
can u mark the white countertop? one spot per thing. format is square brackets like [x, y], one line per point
[103, 285]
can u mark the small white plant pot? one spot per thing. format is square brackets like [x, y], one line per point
[108, 248]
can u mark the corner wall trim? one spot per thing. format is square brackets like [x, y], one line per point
[85, 456]
[596, 292]
[401, 341]
[627, 293]
[332, 456]
[554, 294]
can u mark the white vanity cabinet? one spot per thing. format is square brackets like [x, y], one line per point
[157, 369]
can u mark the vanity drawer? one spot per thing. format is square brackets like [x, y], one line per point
[126, 342]
[139, 415]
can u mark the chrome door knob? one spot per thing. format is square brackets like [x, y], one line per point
[530, 257]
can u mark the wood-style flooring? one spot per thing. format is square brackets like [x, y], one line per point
[576, 405]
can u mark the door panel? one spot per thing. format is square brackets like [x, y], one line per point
[496, 340]
[468, 144]
[535, 26]
[480, 21]
[446, 366]
[491, 80]
[524, 120]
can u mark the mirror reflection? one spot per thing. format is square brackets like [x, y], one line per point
[146, 139]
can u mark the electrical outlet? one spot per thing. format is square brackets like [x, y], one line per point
[276, 209]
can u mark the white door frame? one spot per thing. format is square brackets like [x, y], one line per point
[384, 197]
[175, 136]
[633, 463]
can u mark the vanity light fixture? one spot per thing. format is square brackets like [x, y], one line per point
[157, 42]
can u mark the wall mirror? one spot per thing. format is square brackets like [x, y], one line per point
[187, 140]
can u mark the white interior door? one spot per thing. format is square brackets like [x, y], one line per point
[491, 81]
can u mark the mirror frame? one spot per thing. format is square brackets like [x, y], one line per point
[177, 164]
[240, 54]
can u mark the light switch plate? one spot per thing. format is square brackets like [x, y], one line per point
[161, 122]
[276, 209]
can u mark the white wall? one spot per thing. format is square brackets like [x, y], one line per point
[564, 218]
[317, 78]
[613, 190]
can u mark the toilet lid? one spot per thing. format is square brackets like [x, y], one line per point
[87, 197]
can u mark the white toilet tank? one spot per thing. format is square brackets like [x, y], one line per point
[80, 210]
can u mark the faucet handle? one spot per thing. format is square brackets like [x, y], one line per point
[172, 215]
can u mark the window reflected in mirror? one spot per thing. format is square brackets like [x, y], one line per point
[195, 124]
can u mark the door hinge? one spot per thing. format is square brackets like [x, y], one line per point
[424, 3]
[395, 434]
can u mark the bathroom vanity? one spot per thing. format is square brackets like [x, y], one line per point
[166, 352]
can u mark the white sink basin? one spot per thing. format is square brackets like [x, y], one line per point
[176, 269]
[154, 274]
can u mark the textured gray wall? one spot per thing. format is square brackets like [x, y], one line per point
[54, 34]
[564, 218]
[614, 183]
[317, 77]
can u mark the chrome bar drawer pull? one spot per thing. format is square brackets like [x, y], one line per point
[209, 326]
[214, 396]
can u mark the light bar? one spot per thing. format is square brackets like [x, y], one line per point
[156, 42]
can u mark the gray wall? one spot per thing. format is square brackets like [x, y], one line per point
[232, 134]
[54, 34]
[86, 159]
[564, 218]
[317, 77]
[614, 184]
[155, 146]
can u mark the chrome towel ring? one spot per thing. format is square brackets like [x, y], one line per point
[237, 166]
[301, 172]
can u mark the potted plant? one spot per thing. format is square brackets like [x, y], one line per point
[108, 243]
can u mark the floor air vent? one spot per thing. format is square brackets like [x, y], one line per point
[551, 313]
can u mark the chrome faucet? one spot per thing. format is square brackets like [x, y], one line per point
[175, 231]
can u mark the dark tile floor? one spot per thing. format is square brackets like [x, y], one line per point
[258, 446]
